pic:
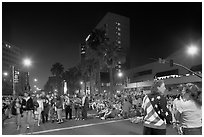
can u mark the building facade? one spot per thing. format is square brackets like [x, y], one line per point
[143, 76]
[14, 78]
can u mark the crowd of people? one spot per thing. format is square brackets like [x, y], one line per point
[43, 108]
[155, 109]
[122, 105]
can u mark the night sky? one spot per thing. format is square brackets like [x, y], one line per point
[51, 32]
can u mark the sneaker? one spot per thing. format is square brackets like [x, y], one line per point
[102, 118]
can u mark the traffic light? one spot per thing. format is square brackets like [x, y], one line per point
[171, 63]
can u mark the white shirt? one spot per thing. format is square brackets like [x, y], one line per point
[40, 102]
[83, 100]
[191, 114]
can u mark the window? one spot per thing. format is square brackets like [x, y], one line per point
[117, 23]
[119, 29]
[167, 73]
[141, 73]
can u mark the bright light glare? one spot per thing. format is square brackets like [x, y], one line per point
[35, 80]
[120, 74]
[27, 62]
[192, 50]
[5, 74]
[81, 82]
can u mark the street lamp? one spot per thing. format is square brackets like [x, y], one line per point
[35, 80]
[192, 50]
[5, 74]
[81, 82]
[120, 74]
[27, 62]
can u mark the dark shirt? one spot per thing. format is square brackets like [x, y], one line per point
[29, 105]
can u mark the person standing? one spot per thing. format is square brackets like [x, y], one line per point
[44, 112]
[18, 110]
[59, 109]
[156, 113]
[68, 107]
[28, 107]
[189, 112]
[77, 107]
[85, 106]
[40, 107]
[53, 108]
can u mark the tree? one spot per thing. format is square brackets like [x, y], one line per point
[57, 69]
[105, 53]
[113, 55]
[72, 77]
[95, 52]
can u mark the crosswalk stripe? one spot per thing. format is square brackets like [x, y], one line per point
[74, 127]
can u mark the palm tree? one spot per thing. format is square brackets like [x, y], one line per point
[105, 53]
[57, 71]
[113, 55]
[95, 53]
[72, 77]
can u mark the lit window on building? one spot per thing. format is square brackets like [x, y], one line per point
[119, 42]
[119, 29]
[117, 23]
[119, 33]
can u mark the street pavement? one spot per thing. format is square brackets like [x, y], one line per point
[91, 126]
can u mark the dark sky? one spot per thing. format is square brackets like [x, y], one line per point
[51, 32]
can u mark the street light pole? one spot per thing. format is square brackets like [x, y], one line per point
[163, 61]
[13, 82]
[187, 69]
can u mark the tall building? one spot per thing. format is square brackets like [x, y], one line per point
[11, 58]
[117, 29]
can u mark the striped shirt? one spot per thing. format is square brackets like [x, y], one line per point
[156, 112]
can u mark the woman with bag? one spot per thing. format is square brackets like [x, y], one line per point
[156, 113]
